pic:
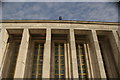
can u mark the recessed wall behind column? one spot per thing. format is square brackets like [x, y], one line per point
[59, 36]
[93, 69]
[15, 35]
[109, 51]
[36, 35]
[94, 64]
[82, 45]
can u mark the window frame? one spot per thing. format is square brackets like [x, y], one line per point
[53, 59]
[32, 59]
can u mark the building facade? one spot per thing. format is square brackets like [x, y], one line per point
[59, 49]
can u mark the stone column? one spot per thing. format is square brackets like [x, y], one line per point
[98, 54]
[116, 38]
[91, 74]
[22, 55]
[117, 46]
[3, 42]
[69, 60]
[73, 54]
[47, 55]
[87, 60]
[0, 47]
[66, 60]
[119, 30]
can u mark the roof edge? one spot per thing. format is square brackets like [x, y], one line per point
[59, 21]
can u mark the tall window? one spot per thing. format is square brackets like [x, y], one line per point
[37, 60]
[59, 67]
[82, 69]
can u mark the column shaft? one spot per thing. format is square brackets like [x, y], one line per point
[47, 54]
[117, 43]
[90, 61]
[66, 61]
[69, 60]
[87, 61]
[22, 55]
[3, 42]
[73, 54]
[98, 55]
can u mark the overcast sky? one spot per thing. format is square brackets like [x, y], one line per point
[60, 0]
[84, 11]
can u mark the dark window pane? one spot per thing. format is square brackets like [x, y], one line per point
[62, 67]
[62, 76]
[56, 67]
[62, 71]
[56, 72]
[84, 71]
[56, 76]
[56, 62]
[40, 71]
[62, 61]
[39, 76]
[83, 66]
[35, 57]
[33, 76]
[62, 57]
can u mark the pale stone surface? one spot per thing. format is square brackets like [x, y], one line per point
[94, 55]
[98, 54]
[22, 55]
[3, 42]
[73, 54]
[117, 42]
[66, 61]
[9, 57]
[87, 61]
[108, 56]
[47, 54]
[69, 61]
[91, 74]
[60, 26]
[116, 39]
[0, 51]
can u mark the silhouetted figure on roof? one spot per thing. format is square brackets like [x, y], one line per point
[60, 18]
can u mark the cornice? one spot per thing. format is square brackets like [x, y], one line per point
[59, 21]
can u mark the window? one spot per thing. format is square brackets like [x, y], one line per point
[81, 60]
[59, 67]
[37, 60]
